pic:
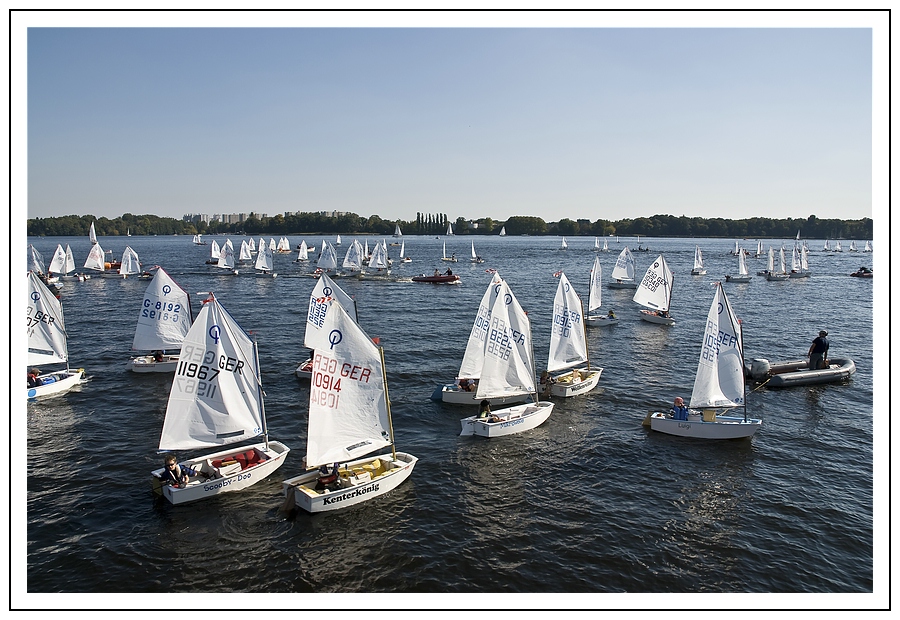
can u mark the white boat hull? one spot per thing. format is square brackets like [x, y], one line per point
[622, 284]
[62, 382]
[355, 488]
[513, 420]
[450, 393]
[304, 370]
[569, 384]
[652, 317]
[723, 427]
[698, 272]
[800, 274]
[222, 479]
[599, 321]
[738, 279]
[777, 277]
[146, 363]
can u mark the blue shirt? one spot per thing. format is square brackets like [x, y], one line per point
[680, 413]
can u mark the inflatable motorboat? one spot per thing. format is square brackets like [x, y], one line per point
[442, 279]
[789, 374]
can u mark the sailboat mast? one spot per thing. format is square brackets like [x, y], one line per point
[387, 402]
[259, 391]
[587, 353]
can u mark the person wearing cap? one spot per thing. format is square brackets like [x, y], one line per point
[818, 352]
[679, 411]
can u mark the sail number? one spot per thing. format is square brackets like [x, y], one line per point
[564, 320]
[712, 343]
[501, 338]
[161, 311]
[652, 281]
[327, 375]
[39, 317]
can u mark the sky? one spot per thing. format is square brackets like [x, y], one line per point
[560, 118]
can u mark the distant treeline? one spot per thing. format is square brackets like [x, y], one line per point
[436, 224]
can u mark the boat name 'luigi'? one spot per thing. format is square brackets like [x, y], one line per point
[344, 496]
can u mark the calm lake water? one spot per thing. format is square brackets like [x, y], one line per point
[589, 504]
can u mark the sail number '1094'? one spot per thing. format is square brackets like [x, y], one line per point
[327, 374]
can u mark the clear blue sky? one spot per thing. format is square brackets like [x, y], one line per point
[473, 122]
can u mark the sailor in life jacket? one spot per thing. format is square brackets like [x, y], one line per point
[176, 474]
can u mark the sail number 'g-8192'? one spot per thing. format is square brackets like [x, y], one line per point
[327, 374]
[197, 368]
[161, 310]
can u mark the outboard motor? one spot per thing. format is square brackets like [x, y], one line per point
[759, 369]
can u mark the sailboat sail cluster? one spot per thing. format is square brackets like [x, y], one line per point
[47, 341]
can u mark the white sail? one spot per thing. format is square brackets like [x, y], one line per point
[508, 367]
[826, 248]
[379, 258]
[782, 264]
[563, 245]
[58, 262]
[473, 358]
[46, 325]
[503, 231]
[838, 247]
[596, 244]
[624, 268]
[214, 250]
[324, 290]
[196, 239]
[251, 244]
[272, 245]
[449, 228]
[284, 245]
[568, 343]
[264, 259]
[93, 234]
[37, 261]
[216, 396]
[742, 265]
[770, 264]
[328, 258]
[165, 315]
[804, 259]
[698, 257]
[403, 249]
[96, 258]
[397, 232]
[444, 250]
[348, 415]
[595, 294]
[759, 251]
[605, 245]
[720, 372]
[303, 252]
[262, 242]
[795, 259]
[337, 240]
[245, 255]
[70, 260]
[131, 265]
[655, 290]
[226, 256]
[868, 247]
[354, 258]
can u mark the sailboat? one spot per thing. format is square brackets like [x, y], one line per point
[596, 244]
[163, 321]
[214, 253]
[397, 232]
[245, 255]
[198, 240]
[623, 272]
[226, 257]
[63, 265]
[284, 246]
[595, 297]
[605, 245]
[507, 369]
[327, 258]
[655, 293]
[868, 247]
[736, 249]
[719, 382]
[564, 245]
[48, 341]
[324, 290]
[826, 248]
[337, 240]
[131, 265]
[265, 262]
[92, 234]
[698, 269]
[800, 263]
[777, 276]
[853, 247]
[568, 345]
[96, 259]
[403, 257]
[251, 244]
[837, 247]
[449, 229]
[759, 250]
[349, 418]
[475, 258]
[459, 392]
[503, 231]
[743, 275]
[379, 259]
[217, 403]
[444, 257]
[302, 253]
[354, 258]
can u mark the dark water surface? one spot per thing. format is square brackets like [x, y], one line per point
[590, 502]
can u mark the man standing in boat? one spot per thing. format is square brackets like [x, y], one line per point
[818, 352]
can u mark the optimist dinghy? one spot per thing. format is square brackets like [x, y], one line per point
[568, 345]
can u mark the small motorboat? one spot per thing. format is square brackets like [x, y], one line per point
[442, 279]
[862, 272]
[796, 372]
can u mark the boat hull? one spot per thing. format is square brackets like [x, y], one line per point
[796, 372]
[304, 370]
[777, 277]
[146, 363]
[224, 479]
[570, 384]
[63, 381]
[718, 427]
[652, 317]
[354, 489]
[739, 279]
[450, 393]
[599, 321]
[623, 284]
[698, 272]
[513, 420]
[437, 279]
